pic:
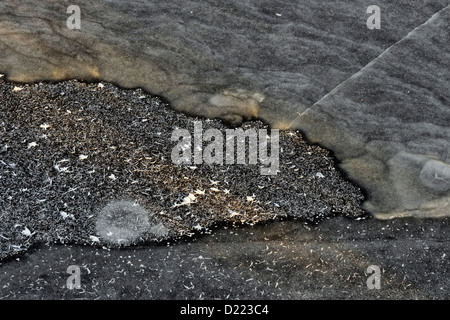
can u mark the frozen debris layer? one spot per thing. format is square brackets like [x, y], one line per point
[52, 190]
[122, 222]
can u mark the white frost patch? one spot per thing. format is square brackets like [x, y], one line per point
[232, 213]
[66, 215]
[44, 126]
[187, 200]
[112, 177]
[26, 232]
[94, 239]
[319, 175]
[122, 222]
[17, 89]
[32, 144]
[61, 169]
[82, 157]
[436, 175]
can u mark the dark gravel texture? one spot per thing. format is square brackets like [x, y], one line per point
[70, 149]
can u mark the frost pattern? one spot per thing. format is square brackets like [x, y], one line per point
[122, 222]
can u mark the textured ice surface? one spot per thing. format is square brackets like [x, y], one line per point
[389, 124]
[194, 51]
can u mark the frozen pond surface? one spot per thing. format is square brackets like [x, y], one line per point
[274, 60]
